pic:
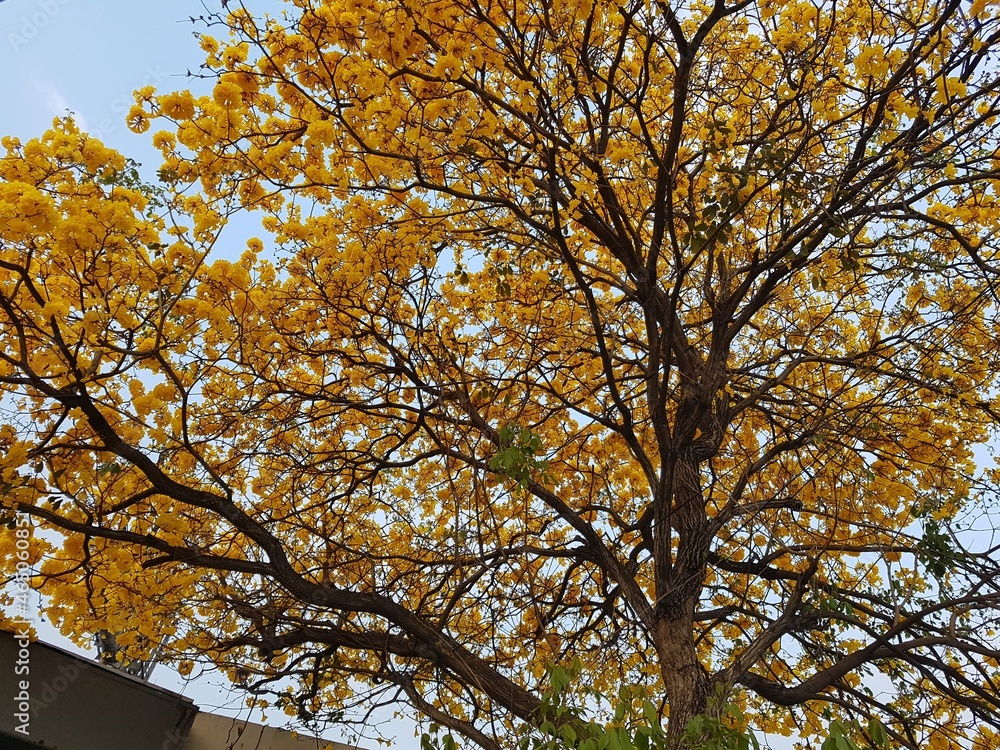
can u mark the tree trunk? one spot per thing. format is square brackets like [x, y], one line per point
[680, 574]
[684, 679]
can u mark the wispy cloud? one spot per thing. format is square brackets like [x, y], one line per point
[57, 103]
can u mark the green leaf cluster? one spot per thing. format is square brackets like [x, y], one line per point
[517, 458]
[840, 736]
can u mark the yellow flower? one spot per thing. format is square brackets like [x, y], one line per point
[178, 105]
[137, 120]
[227, 94]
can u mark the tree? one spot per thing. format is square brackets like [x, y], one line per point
[658, 336]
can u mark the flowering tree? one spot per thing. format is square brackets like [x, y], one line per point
[659, 336]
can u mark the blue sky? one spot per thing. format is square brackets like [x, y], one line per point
[87, 56]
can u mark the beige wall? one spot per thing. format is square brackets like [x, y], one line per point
[213, 732]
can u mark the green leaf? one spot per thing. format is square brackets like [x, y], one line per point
[650, 714]
[559, 680]
[878, 735]
[615, 740]
[111, 468]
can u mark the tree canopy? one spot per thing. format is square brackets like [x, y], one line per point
[660, 336]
